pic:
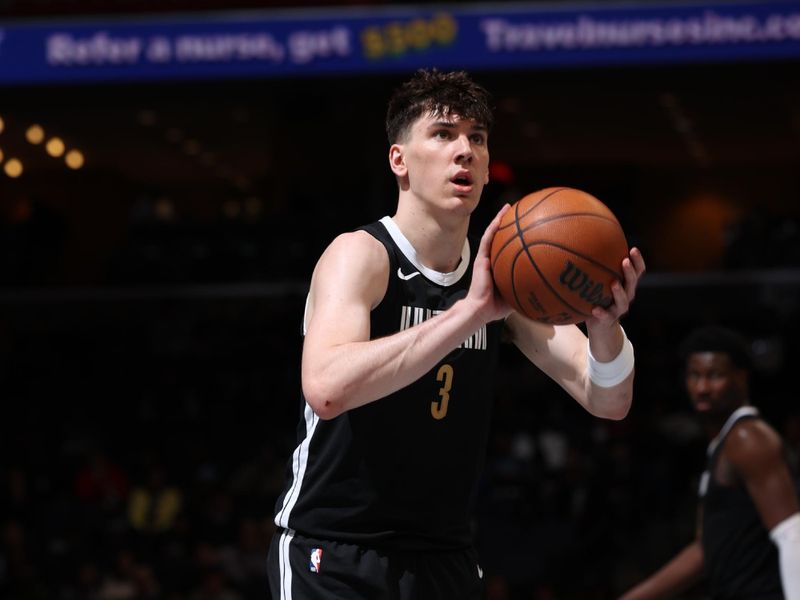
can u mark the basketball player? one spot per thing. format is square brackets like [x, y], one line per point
[748, 540]
[402, 327]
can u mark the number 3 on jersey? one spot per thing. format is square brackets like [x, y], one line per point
[439, 407]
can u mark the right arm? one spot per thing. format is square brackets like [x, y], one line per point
[680, 573]
[342, 368]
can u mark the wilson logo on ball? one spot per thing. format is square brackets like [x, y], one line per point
[577, 281]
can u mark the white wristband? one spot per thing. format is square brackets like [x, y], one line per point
[786, 536]
[609, 374]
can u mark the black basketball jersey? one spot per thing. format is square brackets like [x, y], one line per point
[740, 559]
[400, 472]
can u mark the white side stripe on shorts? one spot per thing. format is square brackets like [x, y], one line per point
[285, 566]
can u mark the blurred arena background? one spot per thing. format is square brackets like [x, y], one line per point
[155, 256]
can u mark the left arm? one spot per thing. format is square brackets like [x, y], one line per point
[756, 453]
[562, 351]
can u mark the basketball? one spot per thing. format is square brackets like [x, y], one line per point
[555, 255]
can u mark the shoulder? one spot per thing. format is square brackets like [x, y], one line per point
[354, 253]
[354, 261]
[356, 247]
[752, 444]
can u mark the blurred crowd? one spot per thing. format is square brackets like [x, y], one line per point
[142, 449]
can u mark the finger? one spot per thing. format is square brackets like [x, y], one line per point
[638, 261]
[631, 278]
[502, 211]
[633, 267]
[495, 224]
[488, 235]
[617, 308]
[605, 314]
[621, 300]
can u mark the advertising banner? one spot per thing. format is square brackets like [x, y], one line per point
[351, 41]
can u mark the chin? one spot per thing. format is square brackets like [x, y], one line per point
[468, 201]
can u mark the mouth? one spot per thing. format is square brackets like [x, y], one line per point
[462, 182]
[701, 405]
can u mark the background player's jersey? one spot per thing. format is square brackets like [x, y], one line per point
[740, 560]
[401, 472]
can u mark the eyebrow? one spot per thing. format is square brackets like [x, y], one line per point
[452, 125]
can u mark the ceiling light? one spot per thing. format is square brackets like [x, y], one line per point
[13, 168]
[55, 147]
[35, 134]
[74, 159]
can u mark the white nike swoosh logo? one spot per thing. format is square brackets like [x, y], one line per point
[406, 277]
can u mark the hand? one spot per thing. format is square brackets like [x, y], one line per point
[482, 290]
[633, 268]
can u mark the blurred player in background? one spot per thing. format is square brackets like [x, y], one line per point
[402, 327]
[748, 539]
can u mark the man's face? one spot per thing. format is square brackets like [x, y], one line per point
[445, 160]
[715, 385]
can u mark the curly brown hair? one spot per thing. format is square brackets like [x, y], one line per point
[438, 93]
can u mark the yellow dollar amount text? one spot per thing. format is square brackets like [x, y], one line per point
[397, 38]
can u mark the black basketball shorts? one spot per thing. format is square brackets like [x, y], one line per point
[301, 568]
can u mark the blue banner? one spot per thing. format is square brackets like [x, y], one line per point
[348, 41]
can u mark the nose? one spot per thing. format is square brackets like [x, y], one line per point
[464, 149]
[701, 385]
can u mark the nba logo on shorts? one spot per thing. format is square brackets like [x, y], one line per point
[316, 559]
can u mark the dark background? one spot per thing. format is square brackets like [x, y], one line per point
[150, 309]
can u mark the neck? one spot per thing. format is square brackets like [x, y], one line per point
[438, 241]
[713, 423]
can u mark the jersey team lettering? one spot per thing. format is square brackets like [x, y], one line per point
[414, 315]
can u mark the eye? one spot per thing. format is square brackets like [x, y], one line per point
[695, 375]
[478, 138]
[442, 134]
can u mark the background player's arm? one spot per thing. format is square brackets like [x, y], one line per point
[755, 451]
[341, 367]
[561, 351]
[679, 574]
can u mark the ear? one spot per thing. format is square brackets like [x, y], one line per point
[397, 160]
